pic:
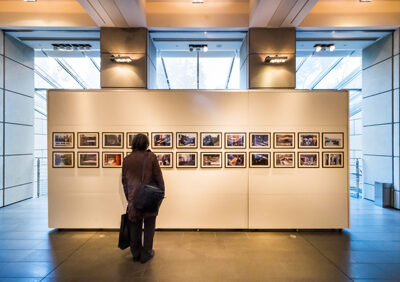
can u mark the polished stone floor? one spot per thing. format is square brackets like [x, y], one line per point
[369, 251]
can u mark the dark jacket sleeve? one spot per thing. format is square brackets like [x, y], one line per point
[124, 180]
[157, 174]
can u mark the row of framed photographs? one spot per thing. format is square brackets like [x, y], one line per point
[207, 159]
[208, 140]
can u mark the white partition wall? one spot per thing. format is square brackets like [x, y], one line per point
[199, 197]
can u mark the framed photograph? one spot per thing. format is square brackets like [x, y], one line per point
[333, 159]
[186, 160]
[260, 140]
[113, 140]
[165, 159]
[186, 140]
[235, 140]
[88, 140]
[284, 140]
[112, 159]
[235, 159]
[63, 159]
[129, 138]
[161, 140]
[308, 140]
[332, 140]
[284, 159]
[88, 159]
[260, 159]
[211, 140]
[211, 160]
[308, 159]
[63, 140]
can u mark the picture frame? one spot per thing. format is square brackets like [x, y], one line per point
[260, 159]
[63, 140]
[211, 140]
[333, 159]
[186, 140]
[308, 140]
[211, 159]
[308, 159]
[162, 140]
[284, 160]
[165, 159]
[259, 140]
[284, 140]
[129, 138]
[333, 140]
[186, 159]
[112, 159]
[63, 159]
[235, 140]
[88, 159]
[88, 140]
[235, 159]
[113, 140]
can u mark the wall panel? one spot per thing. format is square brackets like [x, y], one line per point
[18, 193]
[19, 108]
[18, 170]
[202, 198]
[14, 73]
[18, 139]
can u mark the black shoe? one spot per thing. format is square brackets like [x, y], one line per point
[145, 256]
[136, 258]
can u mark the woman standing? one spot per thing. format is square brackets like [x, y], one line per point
[141, 164]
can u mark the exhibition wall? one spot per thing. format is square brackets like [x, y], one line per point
[16, 120]
[233, 197]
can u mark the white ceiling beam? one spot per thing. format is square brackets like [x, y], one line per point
[279, 13]
[133, 11]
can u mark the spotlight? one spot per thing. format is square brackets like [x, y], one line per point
[331, 47]
[317, 47]
[198, 47]
[121, 59]
[324, 47]
[275, 60]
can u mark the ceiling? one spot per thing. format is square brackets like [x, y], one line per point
[227, 14]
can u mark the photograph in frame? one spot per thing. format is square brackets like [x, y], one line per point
[260, 140]
[63, 159]
[63, 140]
[88, 140]
[284, 140]
[165, 159]
[308, 140]
[113, 140]
[333, 159]
[235, 140]
[186, 160]
[260, 159]
[112, 159]
[235, 160]
[129, 138]
[308, 159]
[161, 140]
[284, 159]
[332, 140]
[211, 140]
[211, 160]
[88, 159]
[186, 140]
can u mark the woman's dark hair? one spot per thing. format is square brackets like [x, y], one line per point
[140, 142]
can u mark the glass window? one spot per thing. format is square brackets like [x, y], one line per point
[312, 69]
[234, 81]
[86, 71]
[181, 70]
[214, 72]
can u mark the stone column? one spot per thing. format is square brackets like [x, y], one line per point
[260, 43]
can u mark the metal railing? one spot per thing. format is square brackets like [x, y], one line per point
[355, 191]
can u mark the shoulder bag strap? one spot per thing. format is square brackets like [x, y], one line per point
[143, 165]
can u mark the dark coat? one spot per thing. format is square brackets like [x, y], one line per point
[132, 176]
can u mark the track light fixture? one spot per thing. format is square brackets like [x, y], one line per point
[275, 60]
[71, 47]
[198, 47]
[324, 47]
[121, 59]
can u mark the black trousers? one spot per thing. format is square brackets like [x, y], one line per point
[135, 232]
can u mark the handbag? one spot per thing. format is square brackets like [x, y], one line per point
[148, 198]
[124, 238]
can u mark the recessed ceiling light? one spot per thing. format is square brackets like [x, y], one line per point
[365, 0]
[197, 1]
[30, 0]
